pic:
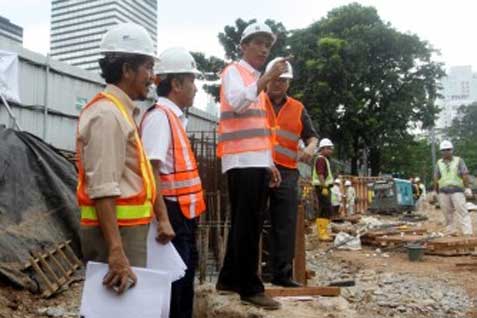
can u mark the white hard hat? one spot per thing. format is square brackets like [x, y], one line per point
[338, 181]
[288, 74]
[446, 144]
[417, 179]
[257, 27]
[325, 142]
[127, 38]
[347, 183]
[176, 60]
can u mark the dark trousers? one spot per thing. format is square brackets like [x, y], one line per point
[283, 212]
[325, 209]
[182, 293]
[248, 195]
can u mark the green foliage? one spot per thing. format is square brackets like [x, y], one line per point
[211, 68]
[408, 158]
[365, 83]
[463, 133]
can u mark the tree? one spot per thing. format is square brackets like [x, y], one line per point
[408, 158]
[211, 68]
[463, 133]
[366, 83]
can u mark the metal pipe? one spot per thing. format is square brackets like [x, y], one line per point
[9, 110]
[45, 99]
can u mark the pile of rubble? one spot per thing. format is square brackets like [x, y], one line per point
[382, 294]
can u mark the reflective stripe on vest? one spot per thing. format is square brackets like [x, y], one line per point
[184, 183]
[241, 134]
[450, 173]
[287, 128]
[246, 131]
[132, 210]
[314, 178]
[246, 114]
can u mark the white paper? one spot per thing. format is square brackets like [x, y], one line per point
[9, 76]
[163, 257]
[150, 297]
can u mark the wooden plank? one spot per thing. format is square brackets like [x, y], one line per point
[299, 263]
[303, 291]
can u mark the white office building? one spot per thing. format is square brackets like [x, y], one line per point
[77, 26]
[459, 88]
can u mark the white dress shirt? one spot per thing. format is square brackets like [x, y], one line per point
[240, 97]
[156, 136]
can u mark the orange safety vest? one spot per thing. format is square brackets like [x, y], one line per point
[246, 131]
[184, 183]
[287, 128]
[130, 211]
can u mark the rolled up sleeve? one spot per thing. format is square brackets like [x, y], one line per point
[103, 154]
[239, 96]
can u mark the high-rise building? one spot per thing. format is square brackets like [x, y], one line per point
[77, 26]
[459, 87]
[11, 31]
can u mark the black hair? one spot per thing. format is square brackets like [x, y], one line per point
[165, 85]
[112, 65]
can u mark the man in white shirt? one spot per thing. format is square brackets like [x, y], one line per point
[336, 197]
[168, 148]
[350, 197]
[245, 147]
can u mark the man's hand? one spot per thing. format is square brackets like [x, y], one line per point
[325, 192]
[165, 233]
[120, 275]
[275, 179]
[307, 155]
[278, 69]
[468, 193]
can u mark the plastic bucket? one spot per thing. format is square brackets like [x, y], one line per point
[415, 252]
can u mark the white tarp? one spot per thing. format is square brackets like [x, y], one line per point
[9, 76]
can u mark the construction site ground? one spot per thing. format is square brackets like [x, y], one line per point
[387, 285]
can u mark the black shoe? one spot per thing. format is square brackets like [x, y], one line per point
[226, 289]
[286, 282]
[261, 300]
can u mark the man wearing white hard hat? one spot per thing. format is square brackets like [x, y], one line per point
[322, 180]
[451, 181]
[350, 195]
[167, 145]
[336, 197]
[290, 123]
[245, 148]
[117, 192]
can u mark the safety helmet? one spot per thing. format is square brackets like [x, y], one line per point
[325, 142]
[337, 181]
[176, 60]
[127, 38]
[417, 179]
[257, 27]
[347, 183]
[446, 144]
[288, 74]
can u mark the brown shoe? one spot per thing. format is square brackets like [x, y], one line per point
[261, 300]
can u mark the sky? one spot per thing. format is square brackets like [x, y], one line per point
[446, 24]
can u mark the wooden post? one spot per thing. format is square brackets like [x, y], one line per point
[299, 263]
